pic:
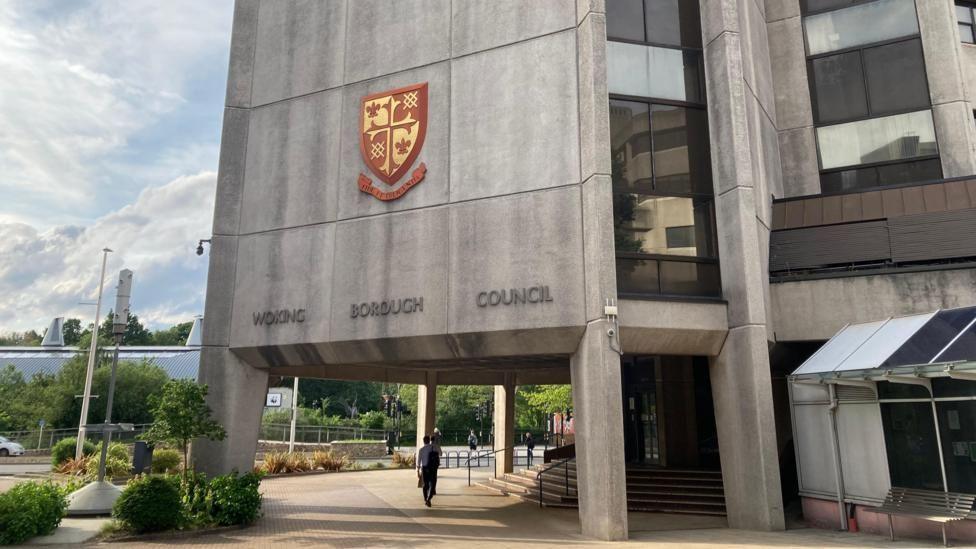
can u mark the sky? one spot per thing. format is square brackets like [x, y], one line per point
[110, 116]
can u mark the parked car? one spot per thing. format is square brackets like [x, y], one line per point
[10, 448]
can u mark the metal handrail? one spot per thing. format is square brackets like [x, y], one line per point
[538, 476]
[480, 455]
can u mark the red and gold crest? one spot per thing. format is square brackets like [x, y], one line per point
[392, 126]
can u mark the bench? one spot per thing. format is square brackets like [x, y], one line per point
[943, 507]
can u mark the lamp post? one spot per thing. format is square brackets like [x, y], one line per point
[86, 396]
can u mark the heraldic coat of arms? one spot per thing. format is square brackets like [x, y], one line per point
[393, 125]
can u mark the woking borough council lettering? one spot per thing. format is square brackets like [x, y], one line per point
[387, 307]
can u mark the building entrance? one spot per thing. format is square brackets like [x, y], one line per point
[669, 419]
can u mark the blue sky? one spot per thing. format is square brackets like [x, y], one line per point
[110, 114]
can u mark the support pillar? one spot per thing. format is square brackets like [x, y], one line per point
[236, 394]
[504, 422]
[601, 476]
[426, 407]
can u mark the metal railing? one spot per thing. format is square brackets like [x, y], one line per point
[44, 439]
[280, 432]
[538, 476]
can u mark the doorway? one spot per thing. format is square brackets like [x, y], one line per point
[642, 442]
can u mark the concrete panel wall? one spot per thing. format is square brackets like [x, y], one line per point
[672, 327]
[812, 310]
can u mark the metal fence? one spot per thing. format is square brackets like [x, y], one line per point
[281, 432]
[44, 439]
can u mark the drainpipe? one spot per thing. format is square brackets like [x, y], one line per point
[838, 471]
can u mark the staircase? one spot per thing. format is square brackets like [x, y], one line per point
[661, 490]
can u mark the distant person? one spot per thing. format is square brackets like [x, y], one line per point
[435, 442]
[427, 459]
[472, 441]
[530, 446]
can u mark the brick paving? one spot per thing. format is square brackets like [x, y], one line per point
[385, 509]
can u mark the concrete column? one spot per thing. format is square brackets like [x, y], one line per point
[426, 407]
[598, 405]
[504, 421]
[951, 113]
[740, 378]
[236, 396]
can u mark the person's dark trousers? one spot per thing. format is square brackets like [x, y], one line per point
[430, 480]
[433, 481]
[528, 456]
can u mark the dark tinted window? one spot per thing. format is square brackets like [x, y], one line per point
[642, 221]
[672, 22]
[931, 338]
[964, 14]
[638, 276]
[880, 176]
[896, 77]
[690, 278]
[630, 141]
[838, 87]
[889, 390]
[946, 387]
[913, 452]
[957, 425]
[625, 19]
[681, 155]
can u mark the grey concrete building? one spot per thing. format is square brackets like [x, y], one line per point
[453, 191]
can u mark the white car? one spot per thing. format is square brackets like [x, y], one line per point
[10, 448]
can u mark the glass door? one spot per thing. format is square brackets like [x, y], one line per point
[640, 411]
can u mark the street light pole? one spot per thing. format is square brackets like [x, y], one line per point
[294, 416]
[121, 320]
[86, 397]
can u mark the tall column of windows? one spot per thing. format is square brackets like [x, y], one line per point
[664, 223]
[871, 102]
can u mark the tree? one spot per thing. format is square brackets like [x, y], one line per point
[346, 398]
[72, 331]
[181, 414]
[174, 335]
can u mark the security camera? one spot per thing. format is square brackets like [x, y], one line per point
[199, 249]
[611, 332]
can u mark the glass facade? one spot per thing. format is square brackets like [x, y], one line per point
[909, 424]
[897, 137]
[859, 24]
[869, 94]
[965, 17]
[664, 224]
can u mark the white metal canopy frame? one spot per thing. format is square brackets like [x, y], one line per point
[910, 350]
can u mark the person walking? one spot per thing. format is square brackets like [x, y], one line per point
[530, 446]
[426, 470]
[435, 459]
[472, 441]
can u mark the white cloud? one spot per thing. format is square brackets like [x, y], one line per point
[84, 83]
[45, 272]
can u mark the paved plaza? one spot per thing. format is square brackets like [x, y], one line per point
[385, 509]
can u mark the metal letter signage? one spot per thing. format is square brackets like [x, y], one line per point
[393, 125]
[513, 296]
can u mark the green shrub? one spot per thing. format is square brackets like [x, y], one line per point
[116, 465]
[166, 460]
[234, 499]
[30, 509]
[64, 450]
[149, 504]
[193, 493]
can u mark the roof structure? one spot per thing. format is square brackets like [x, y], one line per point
[178, 362]
[940, 343]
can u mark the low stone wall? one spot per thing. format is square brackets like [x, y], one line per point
[353, 449]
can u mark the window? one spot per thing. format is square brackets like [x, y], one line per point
[680, 237]
[664, 226]
[964, 14]
[869, 82]
[864, 23]
[665, 22]
[876, 176]
[897, 137]
[913, 453]
[651, 71]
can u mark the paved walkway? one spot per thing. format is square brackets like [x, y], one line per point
[385, 509]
